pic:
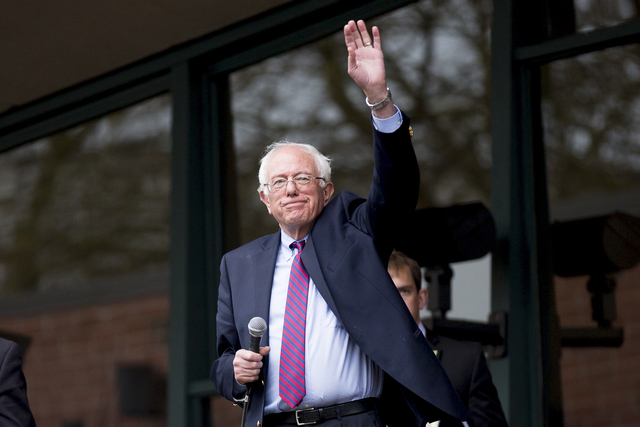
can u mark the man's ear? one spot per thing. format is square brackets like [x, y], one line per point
[328, 192]
[423, 297]
[265, 200]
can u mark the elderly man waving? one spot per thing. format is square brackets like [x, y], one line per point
[341, 348]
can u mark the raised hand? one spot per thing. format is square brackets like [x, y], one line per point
[366, 61]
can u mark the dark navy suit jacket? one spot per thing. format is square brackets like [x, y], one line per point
[14, 406]
[466, 366]
[346, 256]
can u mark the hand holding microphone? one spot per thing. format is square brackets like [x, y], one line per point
[247, 363]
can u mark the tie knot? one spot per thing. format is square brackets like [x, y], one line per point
[297, 245]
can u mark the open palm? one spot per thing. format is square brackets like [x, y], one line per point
[366, 60]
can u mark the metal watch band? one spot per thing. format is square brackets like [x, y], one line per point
[381, 104]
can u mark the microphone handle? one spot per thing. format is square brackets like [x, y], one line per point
[254, 344]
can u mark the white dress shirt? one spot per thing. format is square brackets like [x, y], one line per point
[336, 370]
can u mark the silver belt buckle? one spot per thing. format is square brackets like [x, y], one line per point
[298, 420]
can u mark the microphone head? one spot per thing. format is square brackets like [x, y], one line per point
[257, 327]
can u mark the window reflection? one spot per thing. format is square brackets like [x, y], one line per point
[592, 14]
[592, 134]
[592, 123]
[566, 17]
[84, 250]
[86, 203]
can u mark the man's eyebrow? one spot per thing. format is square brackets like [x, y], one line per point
[285, 175]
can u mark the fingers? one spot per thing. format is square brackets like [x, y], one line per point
[350, 35]
[265, 350]
[247, 364]
[376, 37]
[350, 32]
[365, 63]
[365, 40]
[356, 35]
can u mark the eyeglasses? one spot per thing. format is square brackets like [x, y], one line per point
[278, 184]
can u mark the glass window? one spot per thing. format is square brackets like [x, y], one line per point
[84, 251]
[592, 133]
[566, 17]
[592, 14]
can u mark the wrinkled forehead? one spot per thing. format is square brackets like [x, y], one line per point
[291, 161]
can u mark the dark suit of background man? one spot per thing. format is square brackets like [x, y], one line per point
[14, 405]
[360, 339]
[463, 362]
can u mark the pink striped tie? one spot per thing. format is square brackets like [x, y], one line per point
[292, 382]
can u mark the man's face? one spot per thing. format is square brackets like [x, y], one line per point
[415, 300]
[295, 209]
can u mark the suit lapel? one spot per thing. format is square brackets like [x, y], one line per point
[264, 264]
[434, 342]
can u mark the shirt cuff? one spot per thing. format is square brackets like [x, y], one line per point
[390, 124]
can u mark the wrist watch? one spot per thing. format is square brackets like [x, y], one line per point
[381, 104]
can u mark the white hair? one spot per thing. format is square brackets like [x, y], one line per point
[323, 163]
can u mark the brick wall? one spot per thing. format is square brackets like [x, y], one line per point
[72, 363]
[601, 386]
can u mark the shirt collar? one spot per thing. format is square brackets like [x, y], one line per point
[422, 328]
[287, 240]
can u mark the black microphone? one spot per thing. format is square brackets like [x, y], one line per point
[257, 328]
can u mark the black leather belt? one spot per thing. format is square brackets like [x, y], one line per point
[311, 416]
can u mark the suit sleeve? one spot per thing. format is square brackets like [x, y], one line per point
[14, 405]
[394, 189]
[228, 342]
[484, 404]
